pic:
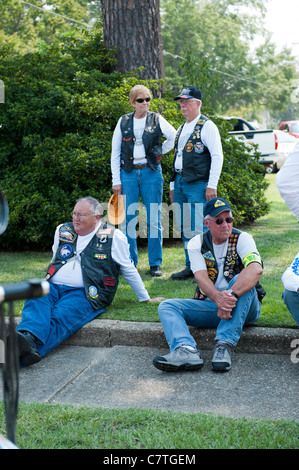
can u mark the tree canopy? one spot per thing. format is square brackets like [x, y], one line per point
[222, 31]
[29, 24]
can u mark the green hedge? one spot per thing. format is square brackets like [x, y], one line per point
[61, 106]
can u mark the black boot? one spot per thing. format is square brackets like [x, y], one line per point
[28, 352]
[155, 271]
[182, 275]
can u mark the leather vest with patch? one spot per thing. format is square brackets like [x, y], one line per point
[151, 139]
[232, 265]
[196, 156]
[100, 272]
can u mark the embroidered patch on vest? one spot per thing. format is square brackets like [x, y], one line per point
[189, 147]
[212, 273]
[100, 256]
[199, 147]
[65, 252]
[93, 292]
[109, 281]
[51, 271]
[209, 256]
[67, 235]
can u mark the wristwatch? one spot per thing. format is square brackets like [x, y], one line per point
[233, 293]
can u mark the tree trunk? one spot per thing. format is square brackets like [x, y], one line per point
[133, 27]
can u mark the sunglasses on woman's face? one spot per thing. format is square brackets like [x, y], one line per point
[141, 100]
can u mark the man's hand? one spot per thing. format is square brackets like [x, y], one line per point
[225, 303]
[156, 299]
[210, 193]
[117, 189]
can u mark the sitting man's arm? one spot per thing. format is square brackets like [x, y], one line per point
[224, 300]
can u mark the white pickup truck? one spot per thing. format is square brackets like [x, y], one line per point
[265, 139]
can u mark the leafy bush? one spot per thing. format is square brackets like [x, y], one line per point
[61, 106]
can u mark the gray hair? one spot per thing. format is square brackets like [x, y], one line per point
[96, 207]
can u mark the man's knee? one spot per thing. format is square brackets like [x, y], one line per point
[166, 306]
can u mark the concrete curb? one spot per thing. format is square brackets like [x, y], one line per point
[108, 333]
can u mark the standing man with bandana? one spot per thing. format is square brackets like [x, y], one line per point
[196, 169]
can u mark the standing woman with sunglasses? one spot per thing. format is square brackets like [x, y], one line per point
[137, 150]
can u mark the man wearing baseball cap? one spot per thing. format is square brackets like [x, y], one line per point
[227, 268]
[197, 166]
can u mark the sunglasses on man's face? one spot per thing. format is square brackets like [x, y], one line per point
[228, 220]
[141, 100]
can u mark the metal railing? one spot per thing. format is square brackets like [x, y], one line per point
[9, 356]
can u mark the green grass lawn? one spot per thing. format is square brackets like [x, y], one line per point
[42, 426]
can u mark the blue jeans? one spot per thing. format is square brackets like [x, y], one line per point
[190, 199]
[57, 316]
[147, 184]
[291, 299]
[177, 314]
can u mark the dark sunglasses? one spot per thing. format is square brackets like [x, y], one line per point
[140, 100]
[228, 220]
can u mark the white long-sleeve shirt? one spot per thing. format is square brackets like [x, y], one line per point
[287, 181]
[139, 155]
[71, 274]
[211, 139]
[290, 277]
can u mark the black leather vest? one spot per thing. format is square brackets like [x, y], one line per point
[151, 140]
[100, 273]
[196, 156]
[232, 265]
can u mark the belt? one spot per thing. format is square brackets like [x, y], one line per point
[138, 167]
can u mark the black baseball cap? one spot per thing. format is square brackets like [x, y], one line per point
[189, 92]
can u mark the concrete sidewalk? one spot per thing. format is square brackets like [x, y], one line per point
[123, 377]
[109, 364]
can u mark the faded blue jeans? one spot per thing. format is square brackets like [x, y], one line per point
[291, 299]
[147, 184]
[177, 314]
[56, 316]
[189, 199]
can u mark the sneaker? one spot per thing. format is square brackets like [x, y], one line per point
[155, 271]
[222, 357]
[28, 352]
[182, 275]
[180, 359]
